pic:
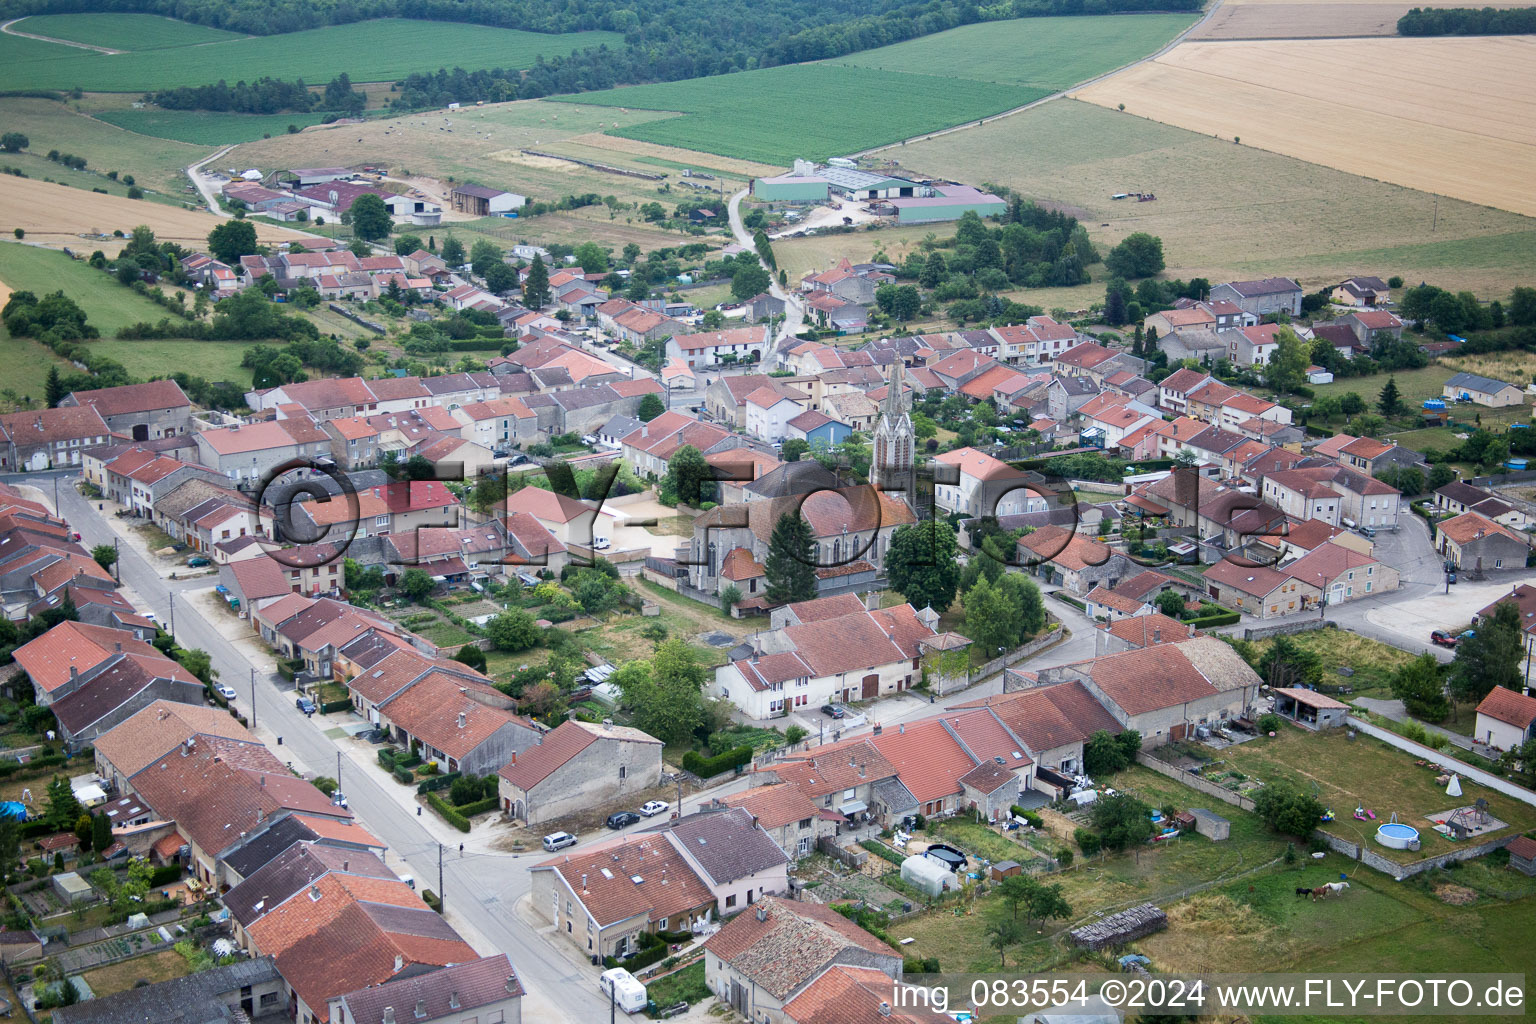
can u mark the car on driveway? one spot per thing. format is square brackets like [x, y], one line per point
[558, 841]
[832, 711]
[197, 562]
[1443, 639]
[225, 691]
[621, 819]
[655, 807]
[305, 705]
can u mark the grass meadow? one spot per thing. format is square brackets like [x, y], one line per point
[206, 128]
[108, 305]
[156, 163]
[762, 115]
[123, 31]
[368, 51]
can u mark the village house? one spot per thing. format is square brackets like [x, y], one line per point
[769, 409]
[1041, 729]
[785, 813]
[1506, 720]
[1341, 573]
[140, 411]
[731, 854]
[1261, 298]
[463, 726]
[711, 348]
[487, 988]
[1373, 326]
[49, 438]
[1336, 495]
[578, 765]
[1360, 291]
[247, 453]
[759, 962]
[569, 521]
[1475, 543]
[1072, 561]
[1259, 590]
[983, 486]
[1469, 387]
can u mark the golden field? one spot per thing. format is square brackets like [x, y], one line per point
[58, 215]
[1453, 116]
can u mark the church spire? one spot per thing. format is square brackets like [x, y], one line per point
[895, 404]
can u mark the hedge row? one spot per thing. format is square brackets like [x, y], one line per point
[644, 958]
[709, 767]
[1209, 621]
[433, 783]
[475, 807]
[449, 815]
[387, 759]
[404, 775]
[344, 704]
[882, 851]
[164, 875]
[430, 899]
[37, 764]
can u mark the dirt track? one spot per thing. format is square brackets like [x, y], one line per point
[58, 216]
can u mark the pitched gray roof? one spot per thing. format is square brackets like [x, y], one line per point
[290, 872]
[445, 992]
[726, 844]
[1477, 383]
[196, 999]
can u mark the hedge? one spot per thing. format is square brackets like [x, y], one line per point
[644, 958]
[430, 899]
[387, 759]
[336, 705]
[709, 767]
[882, 851]
[164, 875]
[404, 775]
[433, 783]
[447, 812]
[475, 807]
[1219, 619]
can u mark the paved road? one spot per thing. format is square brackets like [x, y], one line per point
[794, 312]
[480, 890]
[205, 187]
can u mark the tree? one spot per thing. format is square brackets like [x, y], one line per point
[664, 692]
[791, 565]
[690, 477]
[513, 630]
[1004, 933]
[921, 564]
[483, 255]
[1407, 479]
[101, 832]
[651, 406]
[794, 734]
[407, 244]
[793, 449]
[1351, 404]
[592, 258]
[1440, 475]
[453, 252]
[729, 597]
[1026, 601]
[749, 278]
[1490, 657]
[1419, 686]
[415, 584]
[370, 217]
[63, 809]
[472, 656]
[200, 663]
[1121, 820]
[1103, 754]
[14, 142]
[1287, 367]
[1138, 255]
[1390, 401]
[990, 618]
[105, 555]
[1046, 902]
[536, 286]
[1016, 891]
[500, 278]
[1170, 603]
[1286, 663]
[231, 240]
[54, 391]
[1285, 808]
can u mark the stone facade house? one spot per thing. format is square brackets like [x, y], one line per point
[579, 765]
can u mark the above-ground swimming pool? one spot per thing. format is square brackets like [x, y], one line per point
[1398, 836]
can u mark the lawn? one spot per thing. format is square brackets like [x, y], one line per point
[156, 967]
[204, 128]
[123, 31]
[211, 360]
[687, 985]
[1367, 773]
[1214, 198]
[378, 50]
[1373, 662]
[1043, 53]
[761, 115]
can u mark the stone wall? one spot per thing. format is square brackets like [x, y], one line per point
[1194, 781]
[1265, 632]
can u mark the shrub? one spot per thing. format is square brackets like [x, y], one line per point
[1269, 723]
[387, 759]
[448, 814]
[1088, 841]
[430, 899]
[404, 775]
[709, 767]
[883, 852]
[164, 875]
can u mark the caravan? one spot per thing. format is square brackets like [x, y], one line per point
[624, 989]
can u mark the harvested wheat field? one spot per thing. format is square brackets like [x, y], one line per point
[1453, 116]
[58, 216]
[1302, 19]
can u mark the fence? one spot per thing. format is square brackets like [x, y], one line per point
[1013, 657]
[1194, 781]
[1488, 779]
[1265, 632]
[343, 311]
[842, 854]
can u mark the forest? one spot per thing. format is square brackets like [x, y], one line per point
[666, 40]
[1467, 21]
[264, 96]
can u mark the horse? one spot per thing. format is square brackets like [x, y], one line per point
[1331, 889]
[1303, 892]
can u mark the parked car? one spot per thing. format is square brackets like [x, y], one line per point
[1443, 639]
[620, 819]
[1368, 532]
[589, 439]
[305, 705]
[558, 841]
[654, 807]
[339, 799]
[832, 711]
[197, 562]
[601, 543]
[225, 691]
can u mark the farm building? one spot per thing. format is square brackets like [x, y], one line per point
[1470, 387]
[1309, 708]
[1211, 825]
[949, 202]
[856, 184]
[306, 176]
[480, 201]
[790, 188]
[419, 211]
[1522, 855]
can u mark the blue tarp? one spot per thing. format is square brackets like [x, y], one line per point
[12, 810]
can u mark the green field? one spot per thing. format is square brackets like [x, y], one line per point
[369, 51]
[766, 115]
[205, 128]
[211, 360]
[108, 305]
[122, 31]
[156, 163]
[1043, 53]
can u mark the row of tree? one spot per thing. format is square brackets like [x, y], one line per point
[263, 96]
[1467, 21]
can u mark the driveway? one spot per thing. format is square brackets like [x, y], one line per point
[1412, 620]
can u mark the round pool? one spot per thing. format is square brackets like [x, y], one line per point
[1398, 836]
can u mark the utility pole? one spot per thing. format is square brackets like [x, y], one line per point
[117, 560]
[338, 769]
[173, 614]
[442, 900]
[56, 495]
[253, 697]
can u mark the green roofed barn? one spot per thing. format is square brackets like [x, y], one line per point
[950, 202]
[790, 188]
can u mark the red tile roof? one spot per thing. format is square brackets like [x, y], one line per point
[1508, 706]
[926, 757]
[782, 944]
[856, 995]
[637, 875]
[1469, 525]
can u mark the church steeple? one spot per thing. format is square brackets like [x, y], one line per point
[894, 468]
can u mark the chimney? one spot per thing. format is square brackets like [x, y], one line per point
[511, 983]
[852, 761]
[263, 782]
[345, 864]
[583, 881]
[762, 912]
[74, 673]
[261, 815]
[861, 770]
[1157, 634]
[461, 719]
[901, 728]
[878, 730]
[389, 1015]
[885, 1008]
[117, 645]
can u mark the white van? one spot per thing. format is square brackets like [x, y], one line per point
[624, 989]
